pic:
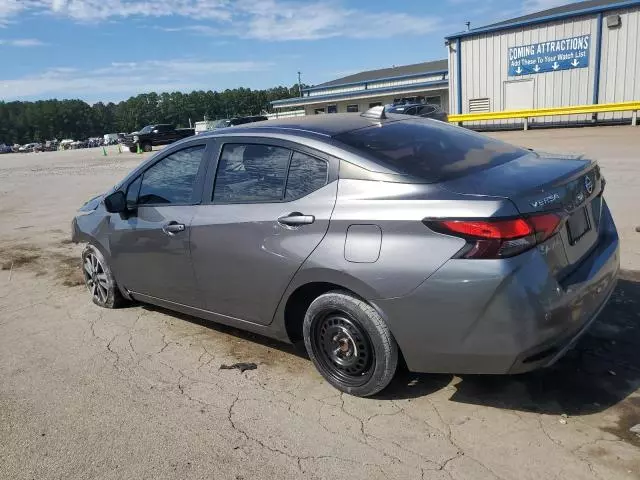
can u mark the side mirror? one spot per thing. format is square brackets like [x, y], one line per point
[116, 202]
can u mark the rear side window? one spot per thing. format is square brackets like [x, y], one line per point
[430, 151]
[171, 180]
[251, 173]
[306, 174]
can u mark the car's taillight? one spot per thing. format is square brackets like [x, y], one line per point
[498, 238]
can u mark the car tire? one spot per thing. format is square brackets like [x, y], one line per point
[100, 280]
[133, 149]
[350, 344]
[147, 147]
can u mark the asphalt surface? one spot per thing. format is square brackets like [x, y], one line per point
[138, 392]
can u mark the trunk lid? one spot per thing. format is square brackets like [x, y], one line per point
[539, 182]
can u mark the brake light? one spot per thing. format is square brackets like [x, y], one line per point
[499, 238]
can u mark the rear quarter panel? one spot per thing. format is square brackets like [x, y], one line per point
[409, 251]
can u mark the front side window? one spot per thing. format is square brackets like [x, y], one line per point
[352, 108]
[306, 174]
[249, 173]
[171, 180]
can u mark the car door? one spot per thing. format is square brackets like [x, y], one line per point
[269, 210]
[150, 244]
[165, 134]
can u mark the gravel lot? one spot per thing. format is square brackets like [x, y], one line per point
[137, 392]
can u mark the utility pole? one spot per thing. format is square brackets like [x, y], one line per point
[299, 84]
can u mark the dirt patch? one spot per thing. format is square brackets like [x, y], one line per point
[65, 265]
[69, 269]
[629, 416]
[17, 257]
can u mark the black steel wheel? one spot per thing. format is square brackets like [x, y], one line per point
[99, 279]
[350, 344]
[343, 348]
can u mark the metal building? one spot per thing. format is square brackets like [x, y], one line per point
[578, 54]
[421, 82]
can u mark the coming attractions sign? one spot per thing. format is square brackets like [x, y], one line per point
[551, 56]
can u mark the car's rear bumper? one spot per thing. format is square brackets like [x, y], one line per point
[502, 316]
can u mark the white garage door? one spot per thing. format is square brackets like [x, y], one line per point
[518, 95]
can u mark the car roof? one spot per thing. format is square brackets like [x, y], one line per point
[327, 125]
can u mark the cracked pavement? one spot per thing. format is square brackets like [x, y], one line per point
[137, 392]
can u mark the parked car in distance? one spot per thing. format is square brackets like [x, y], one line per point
[153, 135]
[232, 122]
[368, 238]
[5, 148]
[30, 147]
[425, 110]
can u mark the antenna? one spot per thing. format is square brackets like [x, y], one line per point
[299, 84]
[468, 24]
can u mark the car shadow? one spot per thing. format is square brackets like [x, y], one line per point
[251, 338]
[601, 371]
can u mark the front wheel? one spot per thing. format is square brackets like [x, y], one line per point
[99, 279]
[133, 149]
[350, 344]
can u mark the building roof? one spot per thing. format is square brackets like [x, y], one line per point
[400, 71]
[551, 14]
[569, 8]
[363, 93]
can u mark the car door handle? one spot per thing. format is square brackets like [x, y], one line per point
[172, 228]
[296, 219]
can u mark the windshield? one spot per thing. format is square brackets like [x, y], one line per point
[147, 129]
[222, 123]
[430, 150]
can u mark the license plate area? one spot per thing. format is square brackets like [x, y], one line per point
[578, 225]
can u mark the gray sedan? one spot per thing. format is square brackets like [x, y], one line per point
[369, 238]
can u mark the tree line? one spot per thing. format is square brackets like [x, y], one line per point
[23, 122]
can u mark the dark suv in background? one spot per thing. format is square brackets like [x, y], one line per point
[232, 122]
[420, 110]
[153, 135]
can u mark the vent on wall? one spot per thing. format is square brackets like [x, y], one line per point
[478, 105]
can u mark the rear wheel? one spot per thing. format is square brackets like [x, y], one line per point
[350, 344]
[147, 147]
[99, 279]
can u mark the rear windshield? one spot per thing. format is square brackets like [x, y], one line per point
[430, 150]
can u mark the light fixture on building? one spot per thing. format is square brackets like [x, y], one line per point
[614, 21]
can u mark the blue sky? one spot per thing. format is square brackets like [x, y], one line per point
[109, 50]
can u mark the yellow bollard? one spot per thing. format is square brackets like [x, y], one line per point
[104, 151]
[139, 149]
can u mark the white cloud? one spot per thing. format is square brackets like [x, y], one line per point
[255, 19]
[22, 42]
[125, 78]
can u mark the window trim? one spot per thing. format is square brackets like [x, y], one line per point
[196, 194]
[333, 165]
